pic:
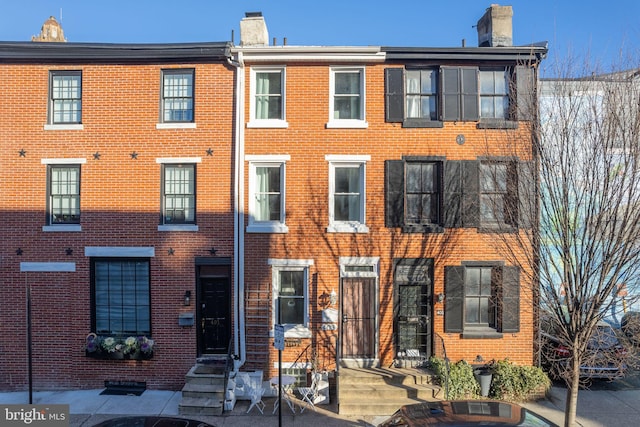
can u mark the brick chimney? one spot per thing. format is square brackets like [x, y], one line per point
[495, 27]
[253, 30]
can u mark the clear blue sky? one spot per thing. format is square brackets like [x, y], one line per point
[601, 29]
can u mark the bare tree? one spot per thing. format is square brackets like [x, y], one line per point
[586, 196]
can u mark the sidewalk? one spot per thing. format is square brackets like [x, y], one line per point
[89, 407]
[596, 408]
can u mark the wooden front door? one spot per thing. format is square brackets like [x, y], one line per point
[358, 318]
[215, 315]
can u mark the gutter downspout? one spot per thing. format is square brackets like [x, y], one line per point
[238, 208]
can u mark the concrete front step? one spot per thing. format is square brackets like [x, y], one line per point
[200, 406]
[381, 391]
[203, 390]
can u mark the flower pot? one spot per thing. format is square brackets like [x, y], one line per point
[484, 378]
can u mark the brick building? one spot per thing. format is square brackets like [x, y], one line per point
[375, 182]
[347, 193]
[116, 206]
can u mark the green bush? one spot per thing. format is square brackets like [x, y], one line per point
[510, 382]
[517, 383]
[461, 384]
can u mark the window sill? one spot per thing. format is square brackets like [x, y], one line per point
[178, 227]
[347, 124]
[267, 228]
[294, 331]
[421, 229]
[496, 124]
[497, 229]
[176, 126]
[271, 124]
[347, 227]
[421, 123]
[481, 333]
[72, 228]
[75, 126]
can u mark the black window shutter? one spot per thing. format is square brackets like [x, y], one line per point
[394, 193]
[454, 298]
[470, 193]
[510, 303]
[452, 194]
[470, 94]
[526, 194]
[394, 87]
[450, 93]
[525, 92]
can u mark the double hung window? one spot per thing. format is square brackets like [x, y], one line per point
[423, 193]
[121, 296]
[177, 96]
[64, 194]
[494, 94]
[268, 97]
[347, 193]
[422, 95]
[291, 295]
[267, 194]
[347, 98]
[482, 300]
[498, 194]
[65, 96]
[179, 194]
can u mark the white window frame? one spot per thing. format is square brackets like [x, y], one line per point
[359, 123]
[64, 161]
[268, 161]
[355, 162]
[254, 122]
[178, 160]
[278, 265]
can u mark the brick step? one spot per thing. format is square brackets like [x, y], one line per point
[200, 406]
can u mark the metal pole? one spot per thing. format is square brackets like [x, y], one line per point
[279, 370]
[29, 347]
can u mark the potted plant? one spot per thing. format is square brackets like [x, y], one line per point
[113, 347]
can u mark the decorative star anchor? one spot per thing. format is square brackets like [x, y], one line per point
[96, 156]
[22, 152]
[213, 250]
[134, 156]
[209, 152]
[170, 251]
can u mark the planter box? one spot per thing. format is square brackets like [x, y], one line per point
[118, 355]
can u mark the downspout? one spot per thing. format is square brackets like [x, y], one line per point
[238, 209]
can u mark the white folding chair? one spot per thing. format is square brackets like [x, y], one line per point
[310, 395]
[255, 391]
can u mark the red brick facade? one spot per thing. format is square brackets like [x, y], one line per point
[119, 146]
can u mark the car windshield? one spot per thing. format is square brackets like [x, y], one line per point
[603, 337]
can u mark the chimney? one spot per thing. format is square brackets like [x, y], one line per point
[253, 30]
[495, 27]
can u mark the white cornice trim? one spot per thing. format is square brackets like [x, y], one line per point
[334, 54]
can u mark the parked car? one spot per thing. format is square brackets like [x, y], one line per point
[605, 358]
[465, 413]
[152, 421]
[630, 325]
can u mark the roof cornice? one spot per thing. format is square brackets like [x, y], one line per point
[269, 54]
[46, 52]
[535, 52]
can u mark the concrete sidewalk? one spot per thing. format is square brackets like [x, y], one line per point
[89, 407]
[596, 408]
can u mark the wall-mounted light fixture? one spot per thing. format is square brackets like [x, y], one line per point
[440, 297]
[187, 298]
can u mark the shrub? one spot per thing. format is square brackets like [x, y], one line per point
[510, 382]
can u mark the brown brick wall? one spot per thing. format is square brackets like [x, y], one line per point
[307, 141]
[120, 203]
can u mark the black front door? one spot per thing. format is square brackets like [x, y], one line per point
[413, 317]
[215, 315]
